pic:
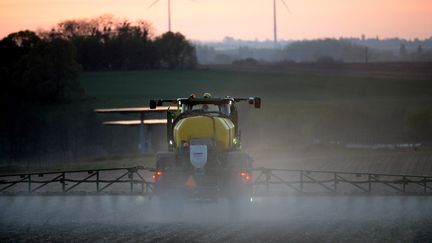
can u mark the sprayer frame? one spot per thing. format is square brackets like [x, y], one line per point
[232, 164]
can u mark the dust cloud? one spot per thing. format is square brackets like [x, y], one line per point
[137, 218]
[115, 210]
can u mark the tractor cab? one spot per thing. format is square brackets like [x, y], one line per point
[206, 104]
[204, 117]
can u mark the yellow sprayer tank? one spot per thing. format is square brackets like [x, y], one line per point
[219, 128]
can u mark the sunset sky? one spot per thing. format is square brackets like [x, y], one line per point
[245, 19]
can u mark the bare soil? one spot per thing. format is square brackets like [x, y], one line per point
[291, 219]
[304, 231]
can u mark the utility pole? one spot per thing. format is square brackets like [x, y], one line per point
[366, 54]
[169, 15]
[274, 23]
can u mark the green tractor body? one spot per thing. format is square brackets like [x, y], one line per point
[204, 161]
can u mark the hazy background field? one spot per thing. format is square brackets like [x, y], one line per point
[309, 114]
[308, 102]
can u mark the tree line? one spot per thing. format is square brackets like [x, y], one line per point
[44, 116]
[107, 43]
[37, 69]
[45, 66]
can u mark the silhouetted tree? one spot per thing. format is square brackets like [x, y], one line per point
[134, 42]
[48, 72]
[91, 53]
[175, 51]
[12, 49]
[106, 43]
[15, 45]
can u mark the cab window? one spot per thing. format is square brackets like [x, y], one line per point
[206, 107]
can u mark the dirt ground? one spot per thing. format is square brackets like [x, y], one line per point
[295, 218]
[344, 231]
[290, 219]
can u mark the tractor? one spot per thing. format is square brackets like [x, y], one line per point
[204, 161]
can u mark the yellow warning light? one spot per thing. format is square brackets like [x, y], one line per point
[190, 182]
[207, 95]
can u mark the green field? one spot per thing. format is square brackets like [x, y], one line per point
[294, 103]
[133, 88]
[298, 106]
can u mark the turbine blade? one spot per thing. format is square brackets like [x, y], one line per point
[286, 6]
[151, 5]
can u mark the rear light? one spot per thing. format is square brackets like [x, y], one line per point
[185, 145]
[157, 174]
[245, 176]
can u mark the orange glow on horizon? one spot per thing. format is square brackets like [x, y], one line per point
[252, 19]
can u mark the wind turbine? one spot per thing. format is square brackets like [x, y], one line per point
[169, 12]
[275, 19]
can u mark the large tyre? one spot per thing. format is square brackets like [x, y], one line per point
[165, 159]
[171, 198]
[239, 205]
[238, 191]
